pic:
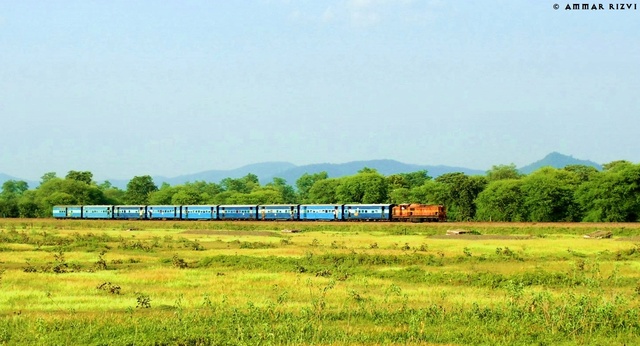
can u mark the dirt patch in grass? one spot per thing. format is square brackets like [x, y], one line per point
[483, 237]
[234, 233]
[635, 239]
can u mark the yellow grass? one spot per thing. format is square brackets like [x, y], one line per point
[390, 287]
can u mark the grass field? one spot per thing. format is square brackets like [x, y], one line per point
[200, 283]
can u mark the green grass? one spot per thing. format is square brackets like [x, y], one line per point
[100, 282]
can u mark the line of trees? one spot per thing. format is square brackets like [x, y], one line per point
[574, 193]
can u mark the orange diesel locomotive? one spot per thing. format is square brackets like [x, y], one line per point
[418, 212]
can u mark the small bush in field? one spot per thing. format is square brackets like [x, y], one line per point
[324, 273]
[109, 287]
[286, 241]
[143, 301]
[101, 264]
[193, 245]
[60, 265]
[179, 262]
[30, 268]
[256, 245]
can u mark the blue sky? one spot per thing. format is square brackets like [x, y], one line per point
[125, 88]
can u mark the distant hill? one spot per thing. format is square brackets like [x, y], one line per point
[5, 177]
[385, 167]
[557, 160]
[266, 171]
[262, 170]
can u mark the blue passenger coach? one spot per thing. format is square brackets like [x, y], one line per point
[130, 212]
[163, 212]
[278, 212]
[199, 212]
[321, 212]
[238, 212]
[60, 211]
[371, 212]
[97, 212]
[67, 212]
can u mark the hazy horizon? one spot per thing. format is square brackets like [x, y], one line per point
[173, 88]
[98, 177]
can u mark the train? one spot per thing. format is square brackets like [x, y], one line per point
[256, 212]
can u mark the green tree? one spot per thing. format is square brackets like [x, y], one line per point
[28, 206]
[401, 186]
[139, 190]
[58, 191]
[305, 183]
[245, 184]
[207, 191]
[47, 176]
[612, 195]
[614, 165]
[57, 198]
[400, 195]
[162, 196]
[266, 195]
[460, 192]
[501, 172]
[549, 195]
[501, 200]
[229, 197]
[105, 185]
[416, 179]
[286, 191]
[397, 181]
[368, 186]
[186, 195]
[431, 192]
[112, 194]
[84, 176]
[9, 208]
[368, 170]
[12, 191]
[584, 173]
[324, 191]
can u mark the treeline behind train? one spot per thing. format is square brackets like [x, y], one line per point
[573, 193]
